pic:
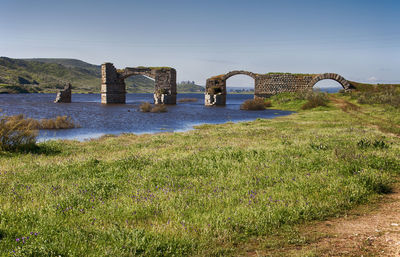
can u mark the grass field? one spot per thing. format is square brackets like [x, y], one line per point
[206, 192]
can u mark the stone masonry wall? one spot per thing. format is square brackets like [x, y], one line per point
[269, 84]
[113, 88]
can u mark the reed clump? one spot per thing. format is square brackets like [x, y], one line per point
[159, 108]
[148, 107]
[255, 104]
[60, 122]
[16, 132]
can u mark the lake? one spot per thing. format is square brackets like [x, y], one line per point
[97, 119]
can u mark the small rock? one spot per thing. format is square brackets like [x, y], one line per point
[394, 224]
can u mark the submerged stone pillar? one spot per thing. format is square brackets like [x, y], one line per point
[165, 87]
[215, 92]
[112, 86]
[64, 96]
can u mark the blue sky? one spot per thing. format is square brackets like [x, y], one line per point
[357, 39]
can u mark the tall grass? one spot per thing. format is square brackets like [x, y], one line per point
[255, 104]
[389, 95]
[148, 107]
[16, 132]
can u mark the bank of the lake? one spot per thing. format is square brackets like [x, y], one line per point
[208, 192]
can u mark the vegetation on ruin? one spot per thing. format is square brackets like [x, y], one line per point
[177, 194]
[155, 68]
[288, 73]
[213, 90]
[218, 77]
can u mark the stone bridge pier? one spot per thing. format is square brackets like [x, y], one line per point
[113, 88]
[268, 84]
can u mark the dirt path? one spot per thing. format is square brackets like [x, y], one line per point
[370, 232]
[357, 112]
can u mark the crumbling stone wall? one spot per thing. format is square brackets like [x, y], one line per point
[269, 84]
[113, 89]
[64, 96]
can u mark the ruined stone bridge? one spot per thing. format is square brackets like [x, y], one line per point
[113, 88]
[268, 84]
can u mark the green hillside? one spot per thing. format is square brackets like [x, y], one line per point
[49, 75]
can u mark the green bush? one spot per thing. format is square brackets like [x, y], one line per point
[314, 99]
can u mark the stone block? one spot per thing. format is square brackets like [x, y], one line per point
[215, 100]
[64, 96]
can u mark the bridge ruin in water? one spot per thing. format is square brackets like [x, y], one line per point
[113, 88]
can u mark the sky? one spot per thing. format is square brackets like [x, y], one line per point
[360, 40]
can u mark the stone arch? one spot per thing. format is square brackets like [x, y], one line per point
[113, 88]
[216, 87]
[239, 72]
[342, 81]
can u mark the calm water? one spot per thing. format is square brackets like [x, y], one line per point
[96, 119]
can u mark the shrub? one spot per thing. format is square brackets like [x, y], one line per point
[145, 107]
[185, 100]
[16, 132]
[255, 104]
[159, 108]
[314, 99]
[60, 122]
[389, 95]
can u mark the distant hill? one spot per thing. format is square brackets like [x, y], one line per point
[189, 87]
[49, 75]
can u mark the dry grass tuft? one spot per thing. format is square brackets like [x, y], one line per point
[16, 132]
[60, 122]
[148, 107]
[159, 108]
[145, 107]
[255, 104]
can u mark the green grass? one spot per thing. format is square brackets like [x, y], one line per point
[204, 192]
